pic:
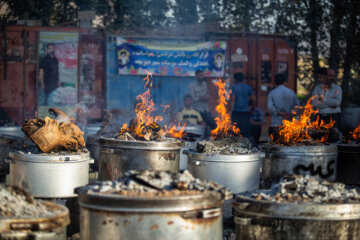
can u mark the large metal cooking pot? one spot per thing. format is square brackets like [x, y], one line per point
[348, 164]
[197, 129]
[49, 176]
[44, 228]
[6, 143]
[239, 173]
[117, 157]
[318, 161]
[114, 217]
[261, 219]
[92, 144]
[183, 154]
[12, 131]
[90, 130]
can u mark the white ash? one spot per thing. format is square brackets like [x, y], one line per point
[152, 182]
[33, 149]
[17, 203]
[226, 146]
[298, 188]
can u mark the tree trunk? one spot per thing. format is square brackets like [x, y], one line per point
[313, 23]
[335, 32]
[350, 54]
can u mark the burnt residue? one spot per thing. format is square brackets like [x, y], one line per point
[154, 227]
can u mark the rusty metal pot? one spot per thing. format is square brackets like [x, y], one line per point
[318, 161]
[113, 217]
[117, 157]
[44, 228]
[261, 219]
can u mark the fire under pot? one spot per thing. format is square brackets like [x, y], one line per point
[49, 175]
[318, 161]
[119, 156]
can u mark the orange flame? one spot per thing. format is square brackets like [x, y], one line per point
[144, 122]
[224, 126]
[298, 128]
[174, 132]
[355, 134]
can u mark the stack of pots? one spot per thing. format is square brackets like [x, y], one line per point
[118, 156]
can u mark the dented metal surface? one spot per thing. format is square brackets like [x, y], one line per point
[260, 219]
[318, 161]
[117, 157]
[132, 218]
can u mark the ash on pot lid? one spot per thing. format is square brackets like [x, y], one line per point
[298, 188]
[155, 183]
[15, 202]
[33, 149]
[226, 146]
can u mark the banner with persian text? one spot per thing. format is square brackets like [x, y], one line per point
[170, 58]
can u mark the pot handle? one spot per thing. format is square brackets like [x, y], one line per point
[206, 213]
[242, 220]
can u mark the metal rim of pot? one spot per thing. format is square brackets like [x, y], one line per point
[348, 147]
[59, 219]
[147, 145]
[277, 150]
[299, 211]
[254, 157]
[108, 202]
[77, 157]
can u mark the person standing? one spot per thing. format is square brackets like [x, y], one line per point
[256, 121]
[49, 71]
[281, 101]
[327, 97]
[241, 94]
[199, 93]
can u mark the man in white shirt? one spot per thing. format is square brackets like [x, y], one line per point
[281, 102]
[327, 97]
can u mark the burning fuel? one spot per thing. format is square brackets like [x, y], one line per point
[224, 126]
[155, 184]
[50, 135]
[302, 128]
[145, 126]
[353, 136]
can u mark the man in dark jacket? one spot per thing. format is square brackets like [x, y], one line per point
[49, 71]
